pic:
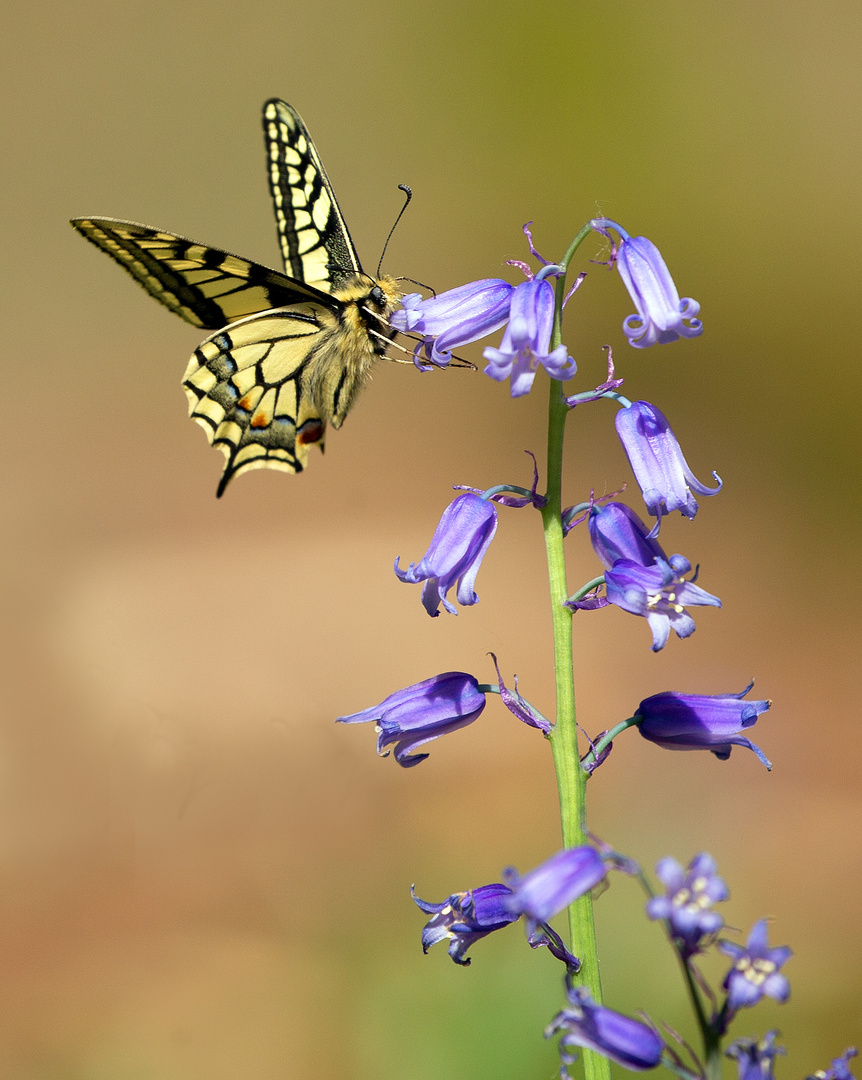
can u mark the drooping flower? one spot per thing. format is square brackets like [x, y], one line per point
[453, 318]
[526, 340]
[552, 886]
[659, 593]
[687, 903]
[455, 553]
[755, 1060]
[839, 1069]
[658, 463]
[465, 917]
[701, 722]
[420, 713]
[616, 532]
[626, 1041]
[755, 971]
[661, 315]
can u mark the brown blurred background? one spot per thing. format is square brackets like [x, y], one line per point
[202, 877]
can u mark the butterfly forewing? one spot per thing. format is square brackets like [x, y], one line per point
[315, 242]
[203, 285]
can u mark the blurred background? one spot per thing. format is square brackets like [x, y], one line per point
[202, 877]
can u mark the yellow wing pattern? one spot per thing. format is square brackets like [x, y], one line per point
[290, 351]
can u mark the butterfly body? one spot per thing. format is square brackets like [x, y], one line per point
[290, 350]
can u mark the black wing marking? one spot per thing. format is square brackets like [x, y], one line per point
[315, 242]
[203, 285]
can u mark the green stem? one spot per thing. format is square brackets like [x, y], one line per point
[571, 778]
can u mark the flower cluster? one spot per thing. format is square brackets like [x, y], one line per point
[638, 577]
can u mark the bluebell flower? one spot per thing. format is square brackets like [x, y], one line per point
[701, 722]
[420, 713]
[755, 971]
[466, 917]
[455, 553]
[453, 318]
[687, 902]
[616, 532]
[544, 892]
[659, 593]
[626, 1041]
[661, 315]
[755, 1060]
[526, 340]
[658, 463]
[839, 1069]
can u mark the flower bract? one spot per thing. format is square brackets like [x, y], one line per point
[755, 971]
[626, 1041]
[658, 463]
[455, 553]
[453, 318]
[701, 722]
[420, 713]
[688, 899]
[526, 340]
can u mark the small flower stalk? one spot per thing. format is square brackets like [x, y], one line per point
[418, 714]
[454, 555]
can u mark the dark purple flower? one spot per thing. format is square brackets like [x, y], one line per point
[755, 971]
[661, 315]
[466, 917]
[455, 553]
[616, 532]
[527, 338]
[839, 1069]
[422, 712]
[627, 1042]
[687, 903]
[701, 721]
[556, 883]
[755, 1060]
[453, 318]
[658, 463]
[659, 593]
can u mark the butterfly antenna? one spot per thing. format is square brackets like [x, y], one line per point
[421, 284]
[409, 194]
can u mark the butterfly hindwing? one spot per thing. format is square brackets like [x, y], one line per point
[203, 285]
[315, 242]
[246, 387]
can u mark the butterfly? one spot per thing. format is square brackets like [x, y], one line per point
[289, 352]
